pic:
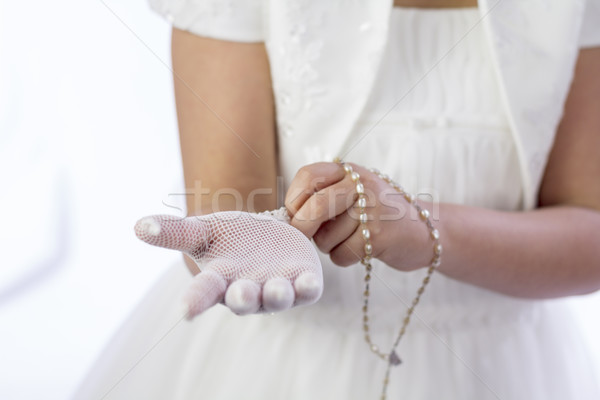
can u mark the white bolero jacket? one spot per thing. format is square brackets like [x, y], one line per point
[324, 56]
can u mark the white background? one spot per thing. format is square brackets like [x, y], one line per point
[88, 145]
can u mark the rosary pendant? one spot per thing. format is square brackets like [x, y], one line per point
[394, 359]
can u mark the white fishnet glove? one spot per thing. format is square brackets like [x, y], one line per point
[252, 262]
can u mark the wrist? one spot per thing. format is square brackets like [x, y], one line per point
[409, 243]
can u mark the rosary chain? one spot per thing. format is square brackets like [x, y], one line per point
[390, 357]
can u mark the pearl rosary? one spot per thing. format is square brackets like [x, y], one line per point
[391, 357]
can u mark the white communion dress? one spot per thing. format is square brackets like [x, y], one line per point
[442, 133]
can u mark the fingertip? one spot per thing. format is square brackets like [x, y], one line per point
[171, 232]
[147, 226]
[308, 180]
[278, 295]
[243, 297]
[308, 287]
[207, 290]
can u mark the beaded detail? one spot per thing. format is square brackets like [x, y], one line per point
[391, 357]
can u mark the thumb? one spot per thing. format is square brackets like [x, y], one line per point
[189, 235]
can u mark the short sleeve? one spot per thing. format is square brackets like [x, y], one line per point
[234, 20]
[590, 28]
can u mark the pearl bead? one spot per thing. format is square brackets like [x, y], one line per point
[424, 214]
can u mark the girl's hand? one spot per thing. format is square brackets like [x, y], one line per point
[321, 200]
[251, 262]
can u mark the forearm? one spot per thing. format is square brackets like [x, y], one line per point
[552, 251]
[248, 191]
[548, 252]
[226, 116]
